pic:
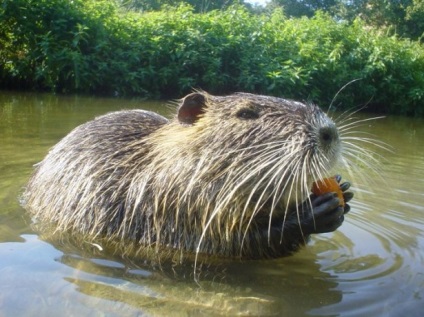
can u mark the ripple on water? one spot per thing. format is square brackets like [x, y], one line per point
[375, 257]
[372, 266]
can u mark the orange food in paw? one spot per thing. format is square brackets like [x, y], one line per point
[327, 185]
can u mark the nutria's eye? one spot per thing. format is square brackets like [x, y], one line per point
[247, 114]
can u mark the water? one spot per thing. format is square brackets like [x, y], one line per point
[372, 266]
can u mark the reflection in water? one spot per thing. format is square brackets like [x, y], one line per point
[372, 266]
[161, 286]
[73, 282]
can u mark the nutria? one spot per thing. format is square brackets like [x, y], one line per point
[228, 176]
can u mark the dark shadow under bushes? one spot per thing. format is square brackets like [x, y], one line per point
[94, 47]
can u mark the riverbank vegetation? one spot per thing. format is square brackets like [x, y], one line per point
[111, 48]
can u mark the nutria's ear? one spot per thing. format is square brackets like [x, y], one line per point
[192, 107]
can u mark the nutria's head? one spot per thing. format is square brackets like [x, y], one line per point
[225, 160]
[263, 139]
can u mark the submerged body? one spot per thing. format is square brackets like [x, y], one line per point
[227, 176]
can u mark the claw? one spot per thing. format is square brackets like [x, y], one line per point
[347, 196]
[345, 186]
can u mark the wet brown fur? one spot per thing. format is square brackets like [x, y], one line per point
[211, 181]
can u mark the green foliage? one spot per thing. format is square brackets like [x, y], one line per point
[198, 5]
[51, 43]
[92, 46]
[297, 8]
[403, 17]
[415, 19]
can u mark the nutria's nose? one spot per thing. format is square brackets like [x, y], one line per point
[328, 135]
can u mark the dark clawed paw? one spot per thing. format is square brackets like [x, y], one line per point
[335, 224]
[331, 225]
[321, 200]
[327, 214]
[331, 222]
[347, 196]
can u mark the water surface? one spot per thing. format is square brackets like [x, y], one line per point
[372, 266]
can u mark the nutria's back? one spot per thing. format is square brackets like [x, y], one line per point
[225, 176]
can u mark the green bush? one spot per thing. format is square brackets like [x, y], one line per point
[93, 46]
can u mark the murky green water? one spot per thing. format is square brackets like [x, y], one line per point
[372, 266]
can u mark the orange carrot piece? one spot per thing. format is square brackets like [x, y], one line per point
[328, 185]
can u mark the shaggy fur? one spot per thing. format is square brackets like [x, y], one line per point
[227, 176]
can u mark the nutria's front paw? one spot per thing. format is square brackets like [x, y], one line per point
[327, 216]
[328, 210]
